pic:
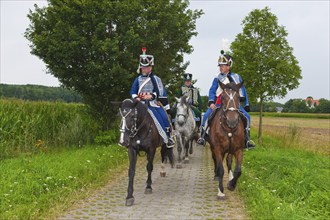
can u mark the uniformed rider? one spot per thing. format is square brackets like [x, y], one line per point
[149, 88]
[225, 76]
[195, 100]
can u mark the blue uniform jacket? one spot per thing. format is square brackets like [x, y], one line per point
[233, 77]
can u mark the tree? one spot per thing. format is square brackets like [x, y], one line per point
[323, 107]
[92, 47]
[264, 59]
[296, 105]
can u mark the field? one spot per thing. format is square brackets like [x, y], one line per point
[310, 134]
[287, 177]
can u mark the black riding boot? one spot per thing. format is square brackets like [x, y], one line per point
[201, 140]
[170, 142]
[249, 144]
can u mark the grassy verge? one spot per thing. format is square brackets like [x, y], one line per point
[43, 185]
[283, 183]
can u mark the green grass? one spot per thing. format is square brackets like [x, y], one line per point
[43, 185]
[28, 126]
[284, 183]
[293, 115]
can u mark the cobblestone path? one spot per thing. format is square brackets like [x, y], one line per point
[187, 193]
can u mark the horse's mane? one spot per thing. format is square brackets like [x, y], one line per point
[133, 103]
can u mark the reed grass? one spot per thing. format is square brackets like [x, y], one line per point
[28, 127]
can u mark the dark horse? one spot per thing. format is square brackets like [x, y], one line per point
[139, 133]
[226, 135]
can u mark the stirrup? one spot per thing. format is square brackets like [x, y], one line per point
[250, 145]
[170, 143]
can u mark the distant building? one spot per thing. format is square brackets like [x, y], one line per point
[279, 109]
[311, 103]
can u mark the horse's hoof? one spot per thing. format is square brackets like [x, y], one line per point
[178, 165]
[230, 187]
[162, 174]
[129, 202]
[221, 195]
[222, 198]
[186, 160]
[216, 178]
[148, 191]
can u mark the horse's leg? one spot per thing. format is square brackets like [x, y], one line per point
[170, 155]
[237, 172]
[179, 146]
[219, 171]
[150, 167]
[191, 146]
[216, 177]
[164, 155]
[131, 173]
[186, 149]
[229, 163]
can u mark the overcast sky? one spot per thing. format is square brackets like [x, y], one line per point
[307, 24]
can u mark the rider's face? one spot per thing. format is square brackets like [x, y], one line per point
[146, 69]
[224, 68]
[187, 83]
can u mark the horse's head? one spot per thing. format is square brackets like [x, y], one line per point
[131, 112]
[230, 103]
[182, 110]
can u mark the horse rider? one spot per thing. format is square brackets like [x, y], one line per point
[195, 100]
[149, 88]
[225, 76]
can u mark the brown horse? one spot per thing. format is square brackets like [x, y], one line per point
[226, 135]
[139, 133]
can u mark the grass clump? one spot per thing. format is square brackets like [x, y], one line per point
[43, 185]
[24, 125]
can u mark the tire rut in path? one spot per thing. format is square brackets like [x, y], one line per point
[187, 193]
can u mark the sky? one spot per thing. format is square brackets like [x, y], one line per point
[307, 24]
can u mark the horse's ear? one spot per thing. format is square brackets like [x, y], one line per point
[177, 99]
[222, 85]
[135, 102]
[239, 85]
[187, 99]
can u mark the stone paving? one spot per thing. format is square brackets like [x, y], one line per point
[187, 193]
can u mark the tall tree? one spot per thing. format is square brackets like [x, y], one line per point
[93, 47]
[265, 60]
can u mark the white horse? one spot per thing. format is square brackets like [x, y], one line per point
[185, 129]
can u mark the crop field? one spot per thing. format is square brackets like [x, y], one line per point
[310, 134]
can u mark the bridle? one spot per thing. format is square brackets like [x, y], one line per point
[133, 130]
[226, 108]
[185, 116]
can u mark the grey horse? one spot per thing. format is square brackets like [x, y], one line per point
[185, 129]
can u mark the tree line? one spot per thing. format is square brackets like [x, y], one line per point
[292, 105]
[39, 93]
